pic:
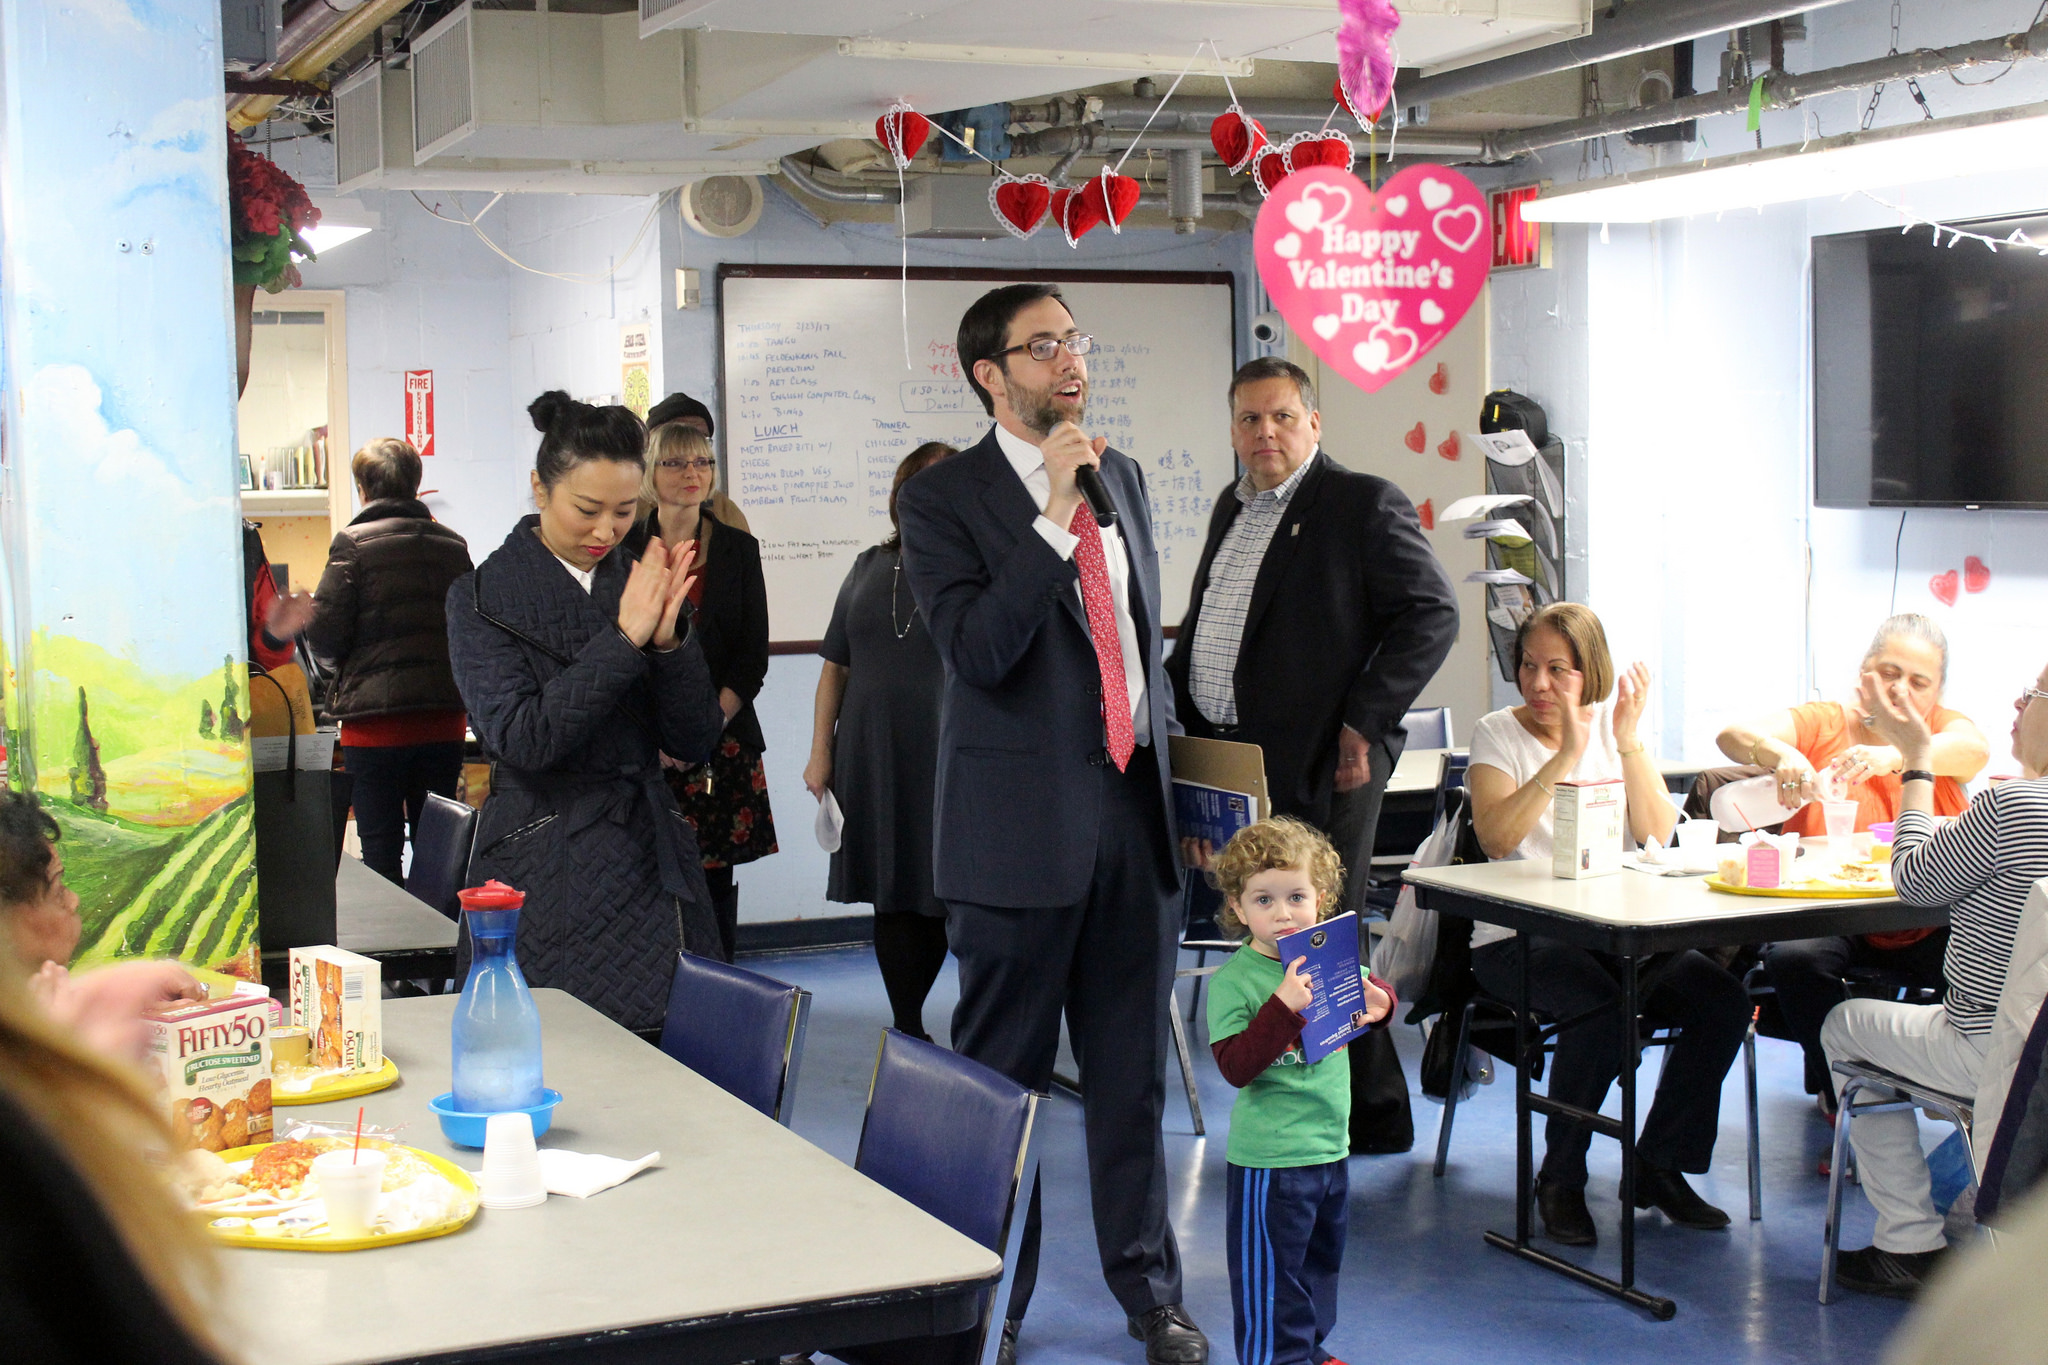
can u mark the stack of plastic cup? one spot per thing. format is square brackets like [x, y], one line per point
[511, 1178]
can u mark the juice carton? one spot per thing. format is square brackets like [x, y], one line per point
[1587, 828]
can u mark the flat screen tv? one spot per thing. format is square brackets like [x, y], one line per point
[1930, 370]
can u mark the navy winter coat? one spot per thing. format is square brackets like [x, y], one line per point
[574, 718]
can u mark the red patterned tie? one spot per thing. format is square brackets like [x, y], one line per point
[1109, 649]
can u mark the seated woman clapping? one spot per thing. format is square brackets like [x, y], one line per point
[1577, 723]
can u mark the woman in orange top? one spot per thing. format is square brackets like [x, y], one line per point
[1802, 744]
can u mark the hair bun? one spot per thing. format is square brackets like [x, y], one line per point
[548, 410]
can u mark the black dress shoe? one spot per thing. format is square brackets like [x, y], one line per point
[1170, 1336]
[1006, 1349]
[1565, 1218]
[1894, 1274]
[1667, 1191]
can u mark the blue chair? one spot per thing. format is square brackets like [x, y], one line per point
[954, 1138]
[441, 839]
[740, 1030]
[1428, 727]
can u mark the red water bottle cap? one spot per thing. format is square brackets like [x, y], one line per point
[492, 895]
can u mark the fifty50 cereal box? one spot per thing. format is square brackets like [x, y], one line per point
[214, 1058]
[338, 997]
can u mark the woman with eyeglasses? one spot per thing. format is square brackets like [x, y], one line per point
[725, 799]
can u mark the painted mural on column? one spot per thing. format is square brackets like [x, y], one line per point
[126, 677]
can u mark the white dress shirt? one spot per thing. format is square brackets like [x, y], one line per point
[585, 578]
[1030, 466]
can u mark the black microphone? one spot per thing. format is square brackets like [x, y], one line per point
[1089, 480]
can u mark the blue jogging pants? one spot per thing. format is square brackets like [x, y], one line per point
[1286, 1231]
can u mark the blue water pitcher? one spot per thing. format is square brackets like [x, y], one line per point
[497, 1027]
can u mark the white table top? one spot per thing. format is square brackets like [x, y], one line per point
[740, 1215]
[1632, 899]
[372, 915]
[1417, 770]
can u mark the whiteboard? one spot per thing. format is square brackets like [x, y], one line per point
[820, 408]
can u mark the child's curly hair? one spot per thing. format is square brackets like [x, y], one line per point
[1275, 842]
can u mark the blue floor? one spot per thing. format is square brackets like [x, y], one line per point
[1419, 1285]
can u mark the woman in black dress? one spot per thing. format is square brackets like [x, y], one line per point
[725, 799]
[875, 746]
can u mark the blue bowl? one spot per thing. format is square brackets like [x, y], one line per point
[467, 1130]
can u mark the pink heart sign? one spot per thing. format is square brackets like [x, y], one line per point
[1372, 281]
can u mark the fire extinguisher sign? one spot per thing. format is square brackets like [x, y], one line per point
[419, 410]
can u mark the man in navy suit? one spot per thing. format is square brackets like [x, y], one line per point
[1054, 848]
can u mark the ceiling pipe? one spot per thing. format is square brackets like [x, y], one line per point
[1619, 31]
[1781, 90]
[800, 175]
[320, 52]
[1094, 137]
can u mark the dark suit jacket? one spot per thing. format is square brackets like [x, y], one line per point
[1020, 726]
[1351, 615]
[731, 619]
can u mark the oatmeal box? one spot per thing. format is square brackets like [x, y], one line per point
[214, 1060]
[337, 996]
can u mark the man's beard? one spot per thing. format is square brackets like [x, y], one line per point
[1041, 410]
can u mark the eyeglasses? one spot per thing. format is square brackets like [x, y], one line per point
[2033, 694]
[700, 465]
[1045, 348]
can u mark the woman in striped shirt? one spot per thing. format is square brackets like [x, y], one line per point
[1982, 867]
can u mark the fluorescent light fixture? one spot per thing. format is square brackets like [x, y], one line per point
[1909, 153]
[341, 220]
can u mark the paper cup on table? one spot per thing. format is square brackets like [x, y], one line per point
[1697, 840]
[351, 1184]
[511, 1178]
[1841, 821]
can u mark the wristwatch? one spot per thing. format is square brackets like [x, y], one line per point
[1915, 775]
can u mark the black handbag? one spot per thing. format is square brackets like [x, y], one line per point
[1381, 1123]
[1506, 410]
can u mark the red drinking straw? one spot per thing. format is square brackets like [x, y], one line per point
[357, 1154]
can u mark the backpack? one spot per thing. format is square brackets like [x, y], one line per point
[1506, 410]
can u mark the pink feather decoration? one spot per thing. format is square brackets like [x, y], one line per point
[1365, 53]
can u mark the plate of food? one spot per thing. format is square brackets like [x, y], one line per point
[310, 1085]
[268, 1195]
[1858, 879]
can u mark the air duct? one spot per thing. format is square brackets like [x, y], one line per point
[1184, 189]
[1621, 31]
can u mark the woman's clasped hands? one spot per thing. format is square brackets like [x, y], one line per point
[652, 603]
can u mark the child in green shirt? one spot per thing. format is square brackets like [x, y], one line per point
[1290, 1125]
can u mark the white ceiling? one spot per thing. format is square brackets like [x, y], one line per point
[971, 52]
[705, 85]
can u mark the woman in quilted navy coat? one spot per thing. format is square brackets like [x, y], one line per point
[576, 680]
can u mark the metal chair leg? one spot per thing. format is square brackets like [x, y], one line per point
[1831, 1235]
[1443, 1130]
[1756, 1169]
[1187, 1070]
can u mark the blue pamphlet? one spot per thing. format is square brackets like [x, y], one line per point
[1336, 1012]
[1210, 813]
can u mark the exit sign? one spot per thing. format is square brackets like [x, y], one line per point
[1517, 244]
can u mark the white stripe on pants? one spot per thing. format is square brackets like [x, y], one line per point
[1918, 1043]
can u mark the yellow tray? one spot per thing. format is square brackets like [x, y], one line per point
[1808, 891]
[246, 1236]
[339, 1087]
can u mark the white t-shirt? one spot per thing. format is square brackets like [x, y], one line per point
[1500, 741]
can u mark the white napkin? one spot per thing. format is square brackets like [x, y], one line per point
[829, 822]
[582, 1174]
